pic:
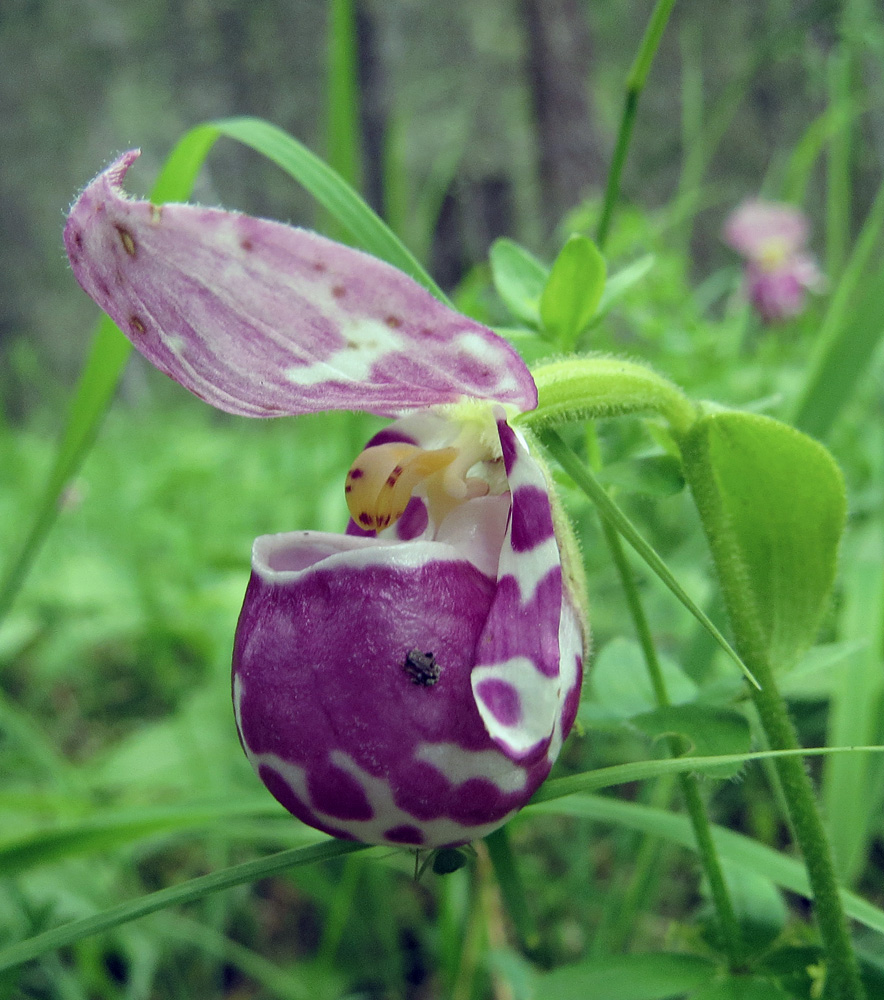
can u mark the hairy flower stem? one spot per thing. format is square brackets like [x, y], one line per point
[690, 789]
[635, 84]
[842, 969]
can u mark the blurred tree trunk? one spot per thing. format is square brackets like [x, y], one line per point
[559, 55]
[374, 113]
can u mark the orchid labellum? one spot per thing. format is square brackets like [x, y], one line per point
[409, 681]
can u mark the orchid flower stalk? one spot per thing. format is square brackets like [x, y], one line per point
[411, 680]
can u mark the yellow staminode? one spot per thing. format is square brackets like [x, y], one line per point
[381, 481]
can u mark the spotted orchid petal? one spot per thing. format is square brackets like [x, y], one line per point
[262, 319]
[414, 687]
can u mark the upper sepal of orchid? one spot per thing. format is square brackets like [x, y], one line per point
[262, 319]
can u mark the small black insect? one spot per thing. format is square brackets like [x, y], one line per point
[422, 668]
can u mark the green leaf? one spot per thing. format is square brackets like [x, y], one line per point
[772, 504]
[709, 731]
[621, 774]
[627, 977]
[647, 475]
[343, 146]
[742, 988]
[572, 291]
[619, 686]
[758, 906]
[519, 278]
[617, 285]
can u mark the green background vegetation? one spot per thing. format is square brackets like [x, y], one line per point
[122, 773]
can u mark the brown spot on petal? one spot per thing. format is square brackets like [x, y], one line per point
[393, 478]
[247, 245]
[339, 291]
[393, 322]
[127, 240]
[136, 325]
[319, 267]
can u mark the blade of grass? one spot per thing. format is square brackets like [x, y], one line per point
[786, 872]
[105, 831]
[252, 871]
[365, 227]
[848, 797]
[848, 337]
[512, 889]
[343, 146]
[635, 84]
[838, 194]
[619, 774]
[186, 892]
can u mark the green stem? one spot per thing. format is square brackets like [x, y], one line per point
[635, 83]
[753, 645]
[690, 789]
[512, 889]
[842, 967]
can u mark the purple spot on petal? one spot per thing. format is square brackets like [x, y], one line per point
[478, 801]
[280, 789]
[572, 702]
[414, 521]
[389, 435]
[404, 834]
[508, 445]
[502, 700]
[531, 520]
[337, 793]
[354, 529]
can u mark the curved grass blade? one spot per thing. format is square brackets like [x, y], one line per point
[110, 830]
[621, 774]
[251, 871]
[186, 892]
[347, 207]
[788, 873]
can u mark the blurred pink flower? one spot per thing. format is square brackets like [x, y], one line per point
[779, 272]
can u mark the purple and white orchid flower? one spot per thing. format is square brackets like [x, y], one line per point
[410, 681]
[779, 272]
